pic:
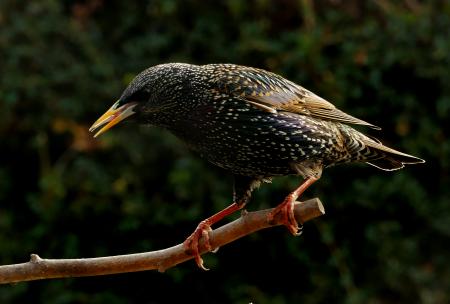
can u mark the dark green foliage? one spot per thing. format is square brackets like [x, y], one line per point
[385, 238]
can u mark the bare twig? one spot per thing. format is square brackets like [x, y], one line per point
[38, 268]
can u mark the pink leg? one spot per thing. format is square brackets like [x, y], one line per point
[286, 208]
[191, 244]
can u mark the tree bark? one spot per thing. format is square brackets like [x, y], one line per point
[38, 268]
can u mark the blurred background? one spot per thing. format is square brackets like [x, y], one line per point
[386, 235]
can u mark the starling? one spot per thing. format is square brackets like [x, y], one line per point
[251, 122]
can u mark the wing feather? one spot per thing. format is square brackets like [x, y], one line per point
[267, 90]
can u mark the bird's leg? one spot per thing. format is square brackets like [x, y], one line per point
[243, 187]
[286, 208]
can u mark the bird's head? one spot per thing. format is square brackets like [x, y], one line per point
[149, 94]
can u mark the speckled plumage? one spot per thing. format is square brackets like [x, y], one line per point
[252, 122]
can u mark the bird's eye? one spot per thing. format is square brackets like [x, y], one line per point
[139, 96]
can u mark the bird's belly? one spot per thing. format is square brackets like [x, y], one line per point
[263, 145]
[256, 169]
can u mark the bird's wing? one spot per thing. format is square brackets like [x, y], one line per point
[272, 93]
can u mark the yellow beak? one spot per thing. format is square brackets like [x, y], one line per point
[113, 116]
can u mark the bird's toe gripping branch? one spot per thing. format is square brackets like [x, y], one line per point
[286, 211]
[286, 208]
[192, 243]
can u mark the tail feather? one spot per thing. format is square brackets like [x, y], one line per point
[388, 159]
[386, 164]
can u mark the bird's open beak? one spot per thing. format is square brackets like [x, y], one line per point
[113, 116]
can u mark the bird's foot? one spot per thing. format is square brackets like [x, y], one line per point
[191, 244]
[286, 211]
[286, 208]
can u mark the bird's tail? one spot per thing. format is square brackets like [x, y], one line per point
[388, 159]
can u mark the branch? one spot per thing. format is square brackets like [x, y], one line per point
[38, 268]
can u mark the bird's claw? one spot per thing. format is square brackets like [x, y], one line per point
[286, 211]
[192, 243]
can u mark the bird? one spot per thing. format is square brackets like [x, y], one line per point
[253, 123]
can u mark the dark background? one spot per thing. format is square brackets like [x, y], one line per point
[386, 235]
